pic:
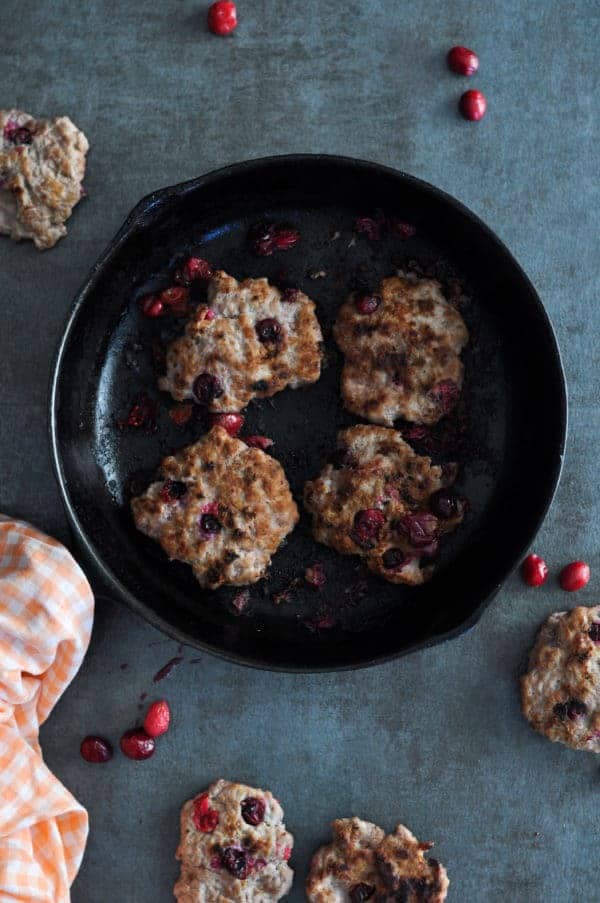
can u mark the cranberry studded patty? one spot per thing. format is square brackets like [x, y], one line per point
[221, 507]
[401, 346]
[363, 863]
[256, 341]
[560, 692]
[378, 499]
[234, 847]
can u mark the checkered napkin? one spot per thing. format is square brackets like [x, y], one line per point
[46, 609]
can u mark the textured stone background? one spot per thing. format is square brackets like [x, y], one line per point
[436, 739]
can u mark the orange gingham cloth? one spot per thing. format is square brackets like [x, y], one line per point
[46, 610]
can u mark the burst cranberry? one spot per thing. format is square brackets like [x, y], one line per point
[236, 862]
[445, 504]
[268, 330]
[181, 414]
[136, 744]
[268, 238]
[262, 442]
[394, 559]
[142, 414]
[290, 295]
[205, 819]
[367, 527]
[534, 570]
[360, 892]
[175, 299]
[473, 105]
[172, 490]
[232, 423]
[367, 304]
[206, 388]
[96, 749]
[151, 306]
[463, 61]
[315, 575]
[195, 269]
[420, 528]
[574, 576]
[253, 810]
[222, 17]
[594, 632]
[158, 718]
[445, 394]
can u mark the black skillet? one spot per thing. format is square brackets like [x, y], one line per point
[508, 433]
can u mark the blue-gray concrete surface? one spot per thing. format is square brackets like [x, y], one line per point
[435, 740]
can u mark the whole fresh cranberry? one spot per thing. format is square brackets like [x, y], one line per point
[151, 306]
[420, 528]
[173, 490]
[204, 817]
[394, 559]
[232, 423]
[574, 576]
[157, 718]
[206, 388]
[96, 749]
[463, 61]
[367, 304]
[360, 892]
[136, 744]
[473, 105]
[236, 862]
[268, 330]
[194, 269]
[222, 17]
[367, 527]
[534, 570]
[253, 810]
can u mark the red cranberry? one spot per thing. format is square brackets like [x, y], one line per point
[360, 892]
[172, 490]
[594, 632]
[236, 862]
[232, 423]
[176, 299]
[142, 414]
[205, 819]
[158, 718]
[534, 570]
[268, 330]
[136, 744]
[473, 105]
[151, 306]
[206, 388]
[290, 295]
[367, 304]
[253, 810]
[222, 17]
[367, 527]
[394, 559]
[96, 749]
[262, 442]
[268, 238]
[574, 576]
[445, 394]
[463, 61]
[445, 504]
[420, 528]
[195, 269]
[209, 525]
[181, 414]
[287, 854]
[315, 575]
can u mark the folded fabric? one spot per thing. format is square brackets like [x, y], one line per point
[46, 611]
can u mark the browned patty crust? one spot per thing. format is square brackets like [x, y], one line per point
[401, 348]
[221, 507]
[378, 499]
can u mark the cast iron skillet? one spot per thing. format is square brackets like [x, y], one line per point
[509, 433]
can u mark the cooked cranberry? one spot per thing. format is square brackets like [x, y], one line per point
[20, 135]
[394, 559]
[445, 394]
[222, 17]
[367, 526]
[315, 575]
[236, 862]
[173, 490]
[574, 576]
[253, 810]
[287, 854]
[463, 61]
[343, 457]
[420, 528]
[262, 442]
[534, 570]
[290, 295]
[151, 306]
[194, 269]
[176, 299]
[205, 819]
[209, 314]
[209, 524]
[268, 330]
[181, 414]
[360, 892]
[267, 238]
[142, 414]
[232, 423]
[403, 230]
[473, 105]
[372, 228]
[206, 388]
[445, 504]
[96, 749]
[136, 744]
[367, 304]
[594, 632]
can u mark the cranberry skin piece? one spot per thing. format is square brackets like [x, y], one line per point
[367, 526]
[574, 576]
[473, 105]
[158, 718]
[232, 423]
[236, 862]
[268, 330]
[534, 570]
[151, 306]
[253, 810]
[367, 304]
[360, 892]
[206, 388]
[96, 749]
[463, 61]
[394, 559]
[136, 744]
[222, 18]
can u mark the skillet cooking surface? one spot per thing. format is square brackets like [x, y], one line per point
[508, 434]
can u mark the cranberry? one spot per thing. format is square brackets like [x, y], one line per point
[445, 394]
[253, 810]
[268, 238]
[287, 854]
[205, 819]
[176, 299]
[394, 559]
[594, 632]
[473, 105]
[136, 744]
[209, 314]
[415, 431]
[181, 414]
[232, 423]
[420, 528]
[372, 228]
[222, 17]
[240, 600]
[315, 575]
[142, 414]
[236, 862]
[360, 892]
[151, 306]
[268, 330]
[445, 504]
[96, 749]
[206, 388]
[290, 295]
[367, 304]
[157, 718]
[209, 525]
[367, 526]
[20, 136]
[574, 576]
[403, 230]
[534, 570]
[343, 457]
[463, 61]
[172, 490]
[262, 442]
[194, 269]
